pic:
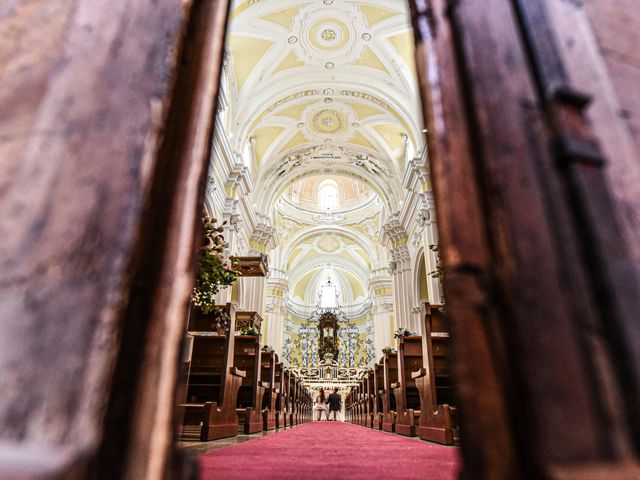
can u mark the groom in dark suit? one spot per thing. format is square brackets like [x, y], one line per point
[335, 403]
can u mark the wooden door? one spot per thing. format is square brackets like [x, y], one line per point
[540, 288]
[106, 125]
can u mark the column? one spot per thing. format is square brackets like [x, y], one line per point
[276, 309]
[382, 309]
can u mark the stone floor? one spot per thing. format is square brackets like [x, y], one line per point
[197, 447]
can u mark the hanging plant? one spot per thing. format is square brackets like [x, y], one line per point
[215, 272]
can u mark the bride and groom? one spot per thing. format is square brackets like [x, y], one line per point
[325, 404]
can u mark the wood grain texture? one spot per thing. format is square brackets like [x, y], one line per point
[527, 323]
[85, 113]
[466, 253]
[87, 92]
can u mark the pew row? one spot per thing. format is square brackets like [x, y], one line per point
[271, 377]
[410, 392]
[438, 421]
[409, 360]
[213, 381]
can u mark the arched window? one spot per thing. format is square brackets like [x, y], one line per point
[328, 195]
[328, 294]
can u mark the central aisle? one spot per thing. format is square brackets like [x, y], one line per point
[332, 450]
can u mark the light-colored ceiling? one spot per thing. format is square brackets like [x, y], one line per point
[324, 89]
[332, 73]
[304, 193]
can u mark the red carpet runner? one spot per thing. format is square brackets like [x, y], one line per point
[331, 450]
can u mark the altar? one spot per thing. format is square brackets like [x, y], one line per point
[329, 342]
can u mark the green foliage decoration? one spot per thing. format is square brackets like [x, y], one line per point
[250, 331]
[214, 271]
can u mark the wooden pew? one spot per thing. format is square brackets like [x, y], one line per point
[249, 401]
[305, 403]
[298, 401]
[362, 402]
[365, 401]
[378, 378]
[356, 406]
[214, 381]
[301, 404]
[293, 392]
[280, 402]
[437, 412]
[347, 407]
[290, 384]
[390, 368]
[405, 390]
[269, 363]
[371, 399]
[308, 405]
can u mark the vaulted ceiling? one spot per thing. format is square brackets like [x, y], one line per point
[323, 87]
[317, 90]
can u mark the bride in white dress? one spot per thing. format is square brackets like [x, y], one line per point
[321, 405]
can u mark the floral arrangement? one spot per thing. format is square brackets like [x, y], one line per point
[266, 349]
[388, 349]
[403, 332]
[222, 320]
[250, 331]
[214, 271]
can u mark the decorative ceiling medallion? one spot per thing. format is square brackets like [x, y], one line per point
[329, 35]
[329, 38]
[328, 121]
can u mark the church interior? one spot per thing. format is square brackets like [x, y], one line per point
[320, 239]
